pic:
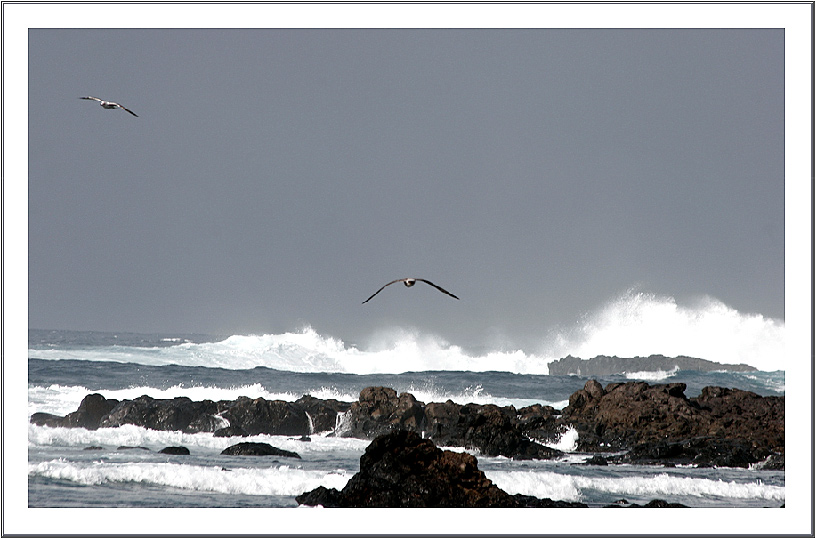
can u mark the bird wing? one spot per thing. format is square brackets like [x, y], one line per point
[438, 288]
[381, 288]
[126, 109]
[112, 103]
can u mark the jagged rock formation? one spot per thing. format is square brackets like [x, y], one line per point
[401, 469]
[613, 365]
[658, 423]
[653, 423]
[245, 416]
[492, 430]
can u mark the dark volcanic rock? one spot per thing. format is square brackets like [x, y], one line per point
[46, 419]
[732, 413]
[611, 365]
[655, 503]
[276, 417]
[700, 451]
[596, 460]
[323, 413]
[90, 412]
[230, 431]
[177, 414]
[175, 451]
[624, 414]
[658, 503]
[321, 496]
[490, 429]
[721, 427]
[442, 419]
[539, 422]
[401, 469]
[257, 449]
[775, 462]
[653, 423]
[88, 415]
[380, 410]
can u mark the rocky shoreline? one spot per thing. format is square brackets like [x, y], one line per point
[631, 422]
[402, 470]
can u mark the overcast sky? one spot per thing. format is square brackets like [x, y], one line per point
[277, 178]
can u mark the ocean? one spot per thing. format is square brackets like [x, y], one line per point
[122, 467]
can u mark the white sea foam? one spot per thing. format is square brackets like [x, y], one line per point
[569, 487]
[55, 398]
[281, 480]
[634, 324]
[652, 375]
[310, 352]
[567, 441]
[642, 324]
[61, 400]
[130, 435]
[474, 394]
[770, 381]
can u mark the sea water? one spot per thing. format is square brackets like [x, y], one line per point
[122, 467]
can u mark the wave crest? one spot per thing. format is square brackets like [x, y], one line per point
[634, 324]
[642, 324]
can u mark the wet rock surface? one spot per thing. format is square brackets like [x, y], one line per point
[177, 414]
[623, 422]
[257, 449]
[655, 503]
[175, 451]
[659, 424]
[492, 430]
[275, 417]
[611, 365]
[401, 470]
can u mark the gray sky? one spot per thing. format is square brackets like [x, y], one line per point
[276, 178]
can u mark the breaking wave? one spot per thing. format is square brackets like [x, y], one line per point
[281, 480]
[657, 375]
[635, 324]
[569, 487]
[642, 324]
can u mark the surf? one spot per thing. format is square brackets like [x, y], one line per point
[568, 487]
[632, 324]
[638, 323]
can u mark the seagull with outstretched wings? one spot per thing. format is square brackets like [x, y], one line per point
[109, 104]
[409, 282]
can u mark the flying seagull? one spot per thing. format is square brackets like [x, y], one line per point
[409, 282]
[109, 104]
